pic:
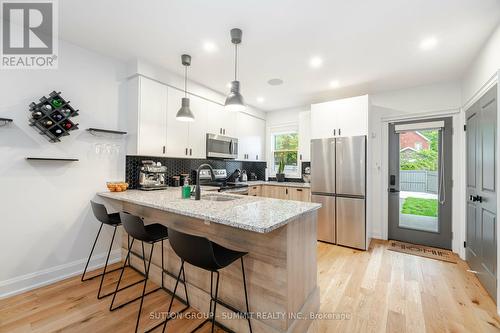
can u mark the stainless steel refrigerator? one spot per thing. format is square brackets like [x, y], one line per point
[338, 182]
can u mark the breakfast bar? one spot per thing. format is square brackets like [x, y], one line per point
[279, 236]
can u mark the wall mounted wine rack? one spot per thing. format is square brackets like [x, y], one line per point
[52, 116]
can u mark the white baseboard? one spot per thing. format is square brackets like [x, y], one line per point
[51, 275]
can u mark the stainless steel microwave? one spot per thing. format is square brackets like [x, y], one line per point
[219, 146]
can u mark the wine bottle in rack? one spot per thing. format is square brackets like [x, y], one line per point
[47, 123]
[36, 115]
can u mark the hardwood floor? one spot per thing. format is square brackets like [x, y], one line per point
[375, 291]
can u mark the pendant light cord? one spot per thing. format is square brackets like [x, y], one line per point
[235, 62]
[185, 80]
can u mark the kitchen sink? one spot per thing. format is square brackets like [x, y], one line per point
[218, 197]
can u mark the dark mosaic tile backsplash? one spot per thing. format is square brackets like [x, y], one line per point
[177, 166]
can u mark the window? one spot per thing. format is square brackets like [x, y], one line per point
[418, 145]
[285, 145]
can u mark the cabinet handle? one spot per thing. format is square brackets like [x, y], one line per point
[299, 190]
[256, 157]
[286, 191]
[301, 157]
[220, 130]
[224, 131]
[334, 132]
[190, 151]
[186, 151]
[339, 131]
[163, 149]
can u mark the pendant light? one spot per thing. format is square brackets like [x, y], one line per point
[234, 101]
[185, 113]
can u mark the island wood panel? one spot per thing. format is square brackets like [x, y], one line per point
[280, 268]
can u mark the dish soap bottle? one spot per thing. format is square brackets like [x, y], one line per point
[186, 189]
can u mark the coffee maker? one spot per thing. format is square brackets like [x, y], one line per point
[152, 176]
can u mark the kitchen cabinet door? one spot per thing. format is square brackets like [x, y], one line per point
[352, 116]
[197, 130]
[151, 118]
[299, 194]
[177, 131]
[276, 192]
[251, 137]
[255, 190]
[323, 120]
[305, 136]
[342, 117]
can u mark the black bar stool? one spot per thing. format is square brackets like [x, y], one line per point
[112, 220]
[205, 254]
[151, 234]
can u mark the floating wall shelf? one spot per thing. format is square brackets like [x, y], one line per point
[55, 159]
[105, 131]
[5, 121]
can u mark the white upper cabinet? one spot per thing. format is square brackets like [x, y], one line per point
[155, 131]
[147, 118]
[177, 131]
[305, 136]
[343, 117]
[251, 132]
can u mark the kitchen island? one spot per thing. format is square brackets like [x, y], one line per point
[279, 236]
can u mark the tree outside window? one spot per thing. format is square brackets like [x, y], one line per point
[286, 146]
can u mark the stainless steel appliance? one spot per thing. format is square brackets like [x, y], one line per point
[338, 182]
[223, 182]
[152, 176]
[219, 146]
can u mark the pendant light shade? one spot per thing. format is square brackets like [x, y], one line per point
[185, 113]
[235, 101]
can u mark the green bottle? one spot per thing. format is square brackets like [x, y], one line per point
[186, 189]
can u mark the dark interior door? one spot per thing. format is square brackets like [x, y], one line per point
[481, 244]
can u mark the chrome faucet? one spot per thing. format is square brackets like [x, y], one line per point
[197, 190]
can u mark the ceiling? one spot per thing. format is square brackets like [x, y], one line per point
[367, 46]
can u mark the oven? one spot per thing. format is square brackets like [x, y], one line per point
[219, 146]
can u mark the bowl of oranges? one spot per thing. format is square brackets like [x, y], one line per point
[117, 186]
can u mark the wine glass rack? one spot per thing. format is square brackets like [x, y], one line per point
[52, 116]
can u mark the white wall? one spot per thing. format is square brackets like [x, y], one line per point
[47, 224]
[485, 66]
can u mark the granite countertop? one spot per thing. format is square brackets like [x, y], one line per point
[275, 183]
[256, 214]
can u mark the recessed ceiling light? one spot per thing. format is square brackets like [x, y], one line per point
[428, 43]
[209, 46]
[334, 84]
[260, 99]
[275, 82]
[316, 62]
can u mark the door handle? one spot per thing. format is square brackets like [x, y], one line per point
[476, 198]
[393, 190]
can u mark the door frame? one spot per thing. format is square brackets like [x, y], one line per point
[458, 217]
[443, 238]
